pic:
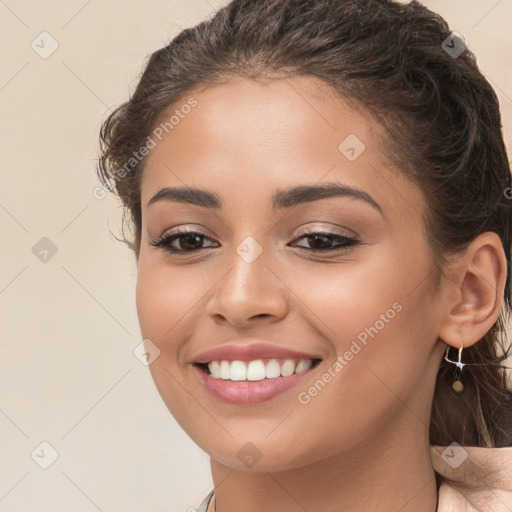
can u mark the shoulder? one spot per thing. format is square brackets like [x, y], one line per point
[476, 479]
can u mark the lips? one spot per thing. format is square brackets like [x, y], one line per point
[250, 352]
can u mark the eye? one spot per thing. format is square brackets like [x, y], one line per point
[322, 242]
[188, 241]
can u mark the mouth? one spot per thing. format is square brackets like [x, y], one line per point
[247, 383]
[256, 370]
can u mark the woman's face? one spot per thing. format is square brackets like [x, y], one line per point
[366, 308]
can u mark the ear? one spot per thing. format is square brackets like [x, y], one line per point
[474, 291]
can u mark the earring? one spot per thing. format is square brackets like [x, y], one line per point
[457, 383]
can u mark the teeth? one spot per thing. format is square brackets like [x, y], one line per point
[257, 370]
[224, 370]
[287, 368]
[303, 365]
[273, 369]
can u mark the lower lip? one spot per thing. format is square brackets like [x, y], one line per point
[249, 392]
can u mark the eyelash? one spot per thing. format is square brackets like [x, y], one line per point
[165, 241]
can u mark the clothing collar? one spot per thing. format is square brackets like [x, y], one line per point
[204, 505]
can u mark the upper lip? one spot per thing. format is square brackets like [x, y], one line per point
[250, 352]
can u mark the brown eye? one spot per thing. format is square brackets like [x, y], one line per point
[323, 242]
[188, 241]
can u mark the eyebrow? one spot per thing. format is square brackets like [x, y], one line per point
[280, 199]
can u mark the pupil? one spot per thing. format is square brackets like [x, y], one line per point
[187, 239]
[318, 237]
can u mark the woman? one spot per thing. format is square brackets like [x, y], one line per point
[322, 213]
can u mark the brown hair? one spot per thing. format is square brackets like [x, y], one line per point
[443, 124]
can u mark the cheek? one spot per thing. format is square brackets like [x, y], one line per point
[347, 297]
[371, 312]
[164, 300]
[377, 337]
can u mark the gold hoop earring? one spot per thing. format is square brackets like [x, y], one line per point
[457, 383]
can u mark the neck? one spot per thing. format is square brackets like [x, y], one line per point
[390, 476]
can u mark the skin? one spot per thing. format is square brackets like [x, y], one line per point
[363, 439]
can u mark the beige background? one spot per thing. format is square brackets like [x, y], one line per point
[69, 326]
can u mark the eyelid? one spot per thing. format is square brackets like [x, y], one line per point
[185, 229]
[302, 230]
[165, 241]
[327, 231]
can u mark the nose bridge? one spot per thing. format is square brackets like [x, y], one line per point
[248, 277]
[249, 288]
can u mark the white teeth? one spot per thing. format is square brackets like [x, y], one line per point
[238, 371]
[224, 372]
[287, 368]
[215, 368]
[257, 369]
[273, 369]
[303, 365]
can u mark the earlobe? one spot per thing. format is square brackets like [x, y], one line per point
[478, 285]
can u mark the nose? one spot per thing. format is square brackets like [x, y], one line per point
[249, 293]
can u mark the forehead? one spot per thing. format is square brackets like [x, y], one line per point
[244, 135]
[264, 113]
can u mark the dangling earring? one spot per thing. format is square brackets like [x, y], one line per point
[457, 383]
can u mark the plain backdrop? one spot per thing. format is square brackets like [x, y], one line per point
[69, 377]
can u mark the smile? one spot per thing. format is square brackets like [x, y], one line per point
[258, 369]
[250, 382]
